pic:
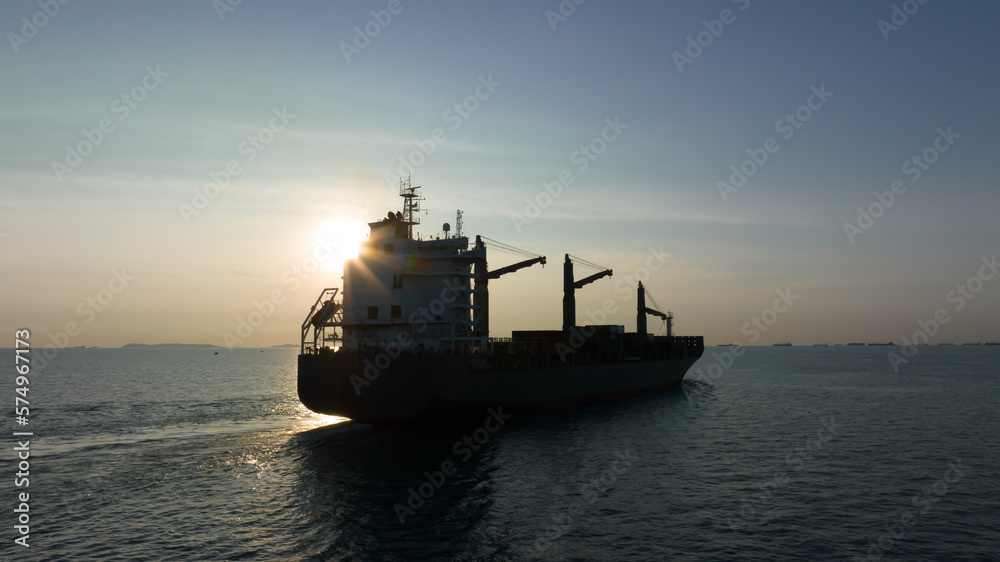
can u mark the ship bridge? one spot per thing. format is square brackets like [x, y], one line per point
[406, 291]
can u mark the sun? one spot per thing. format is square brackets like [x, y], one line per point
[339, 239]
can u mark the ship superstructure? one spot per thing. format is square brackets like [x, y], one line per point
[405, 288]
[409, 337]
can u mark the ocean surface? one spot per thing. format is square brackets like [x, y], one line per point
[786, 453]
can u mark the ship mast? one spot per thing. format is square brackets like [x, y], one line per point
[411, 204]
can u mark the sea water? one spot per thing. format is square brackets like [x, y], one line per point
[782, 453]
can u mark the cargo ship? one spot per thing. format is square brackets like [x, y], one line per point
[408, 336]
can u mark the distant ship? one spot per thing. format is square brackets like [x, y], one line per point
[856, 343]
[782, 344]
[881, 343]
[408, 337]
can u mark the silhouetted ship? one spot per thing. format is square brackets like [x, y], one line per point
[782, 344]
[408, 337]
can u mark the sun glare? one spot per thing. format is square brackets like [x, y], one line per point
[341, 237]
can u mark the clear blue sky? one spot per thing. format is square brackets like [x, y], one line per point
[198, 87]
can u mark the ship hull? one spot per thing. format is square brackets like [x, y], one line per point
[370, 388]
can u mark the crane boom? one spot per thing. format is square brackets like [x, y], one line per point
[656, 313]
[512, 268]
[592, 278]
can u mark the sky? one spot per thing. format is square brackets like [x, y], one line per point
[810, 172]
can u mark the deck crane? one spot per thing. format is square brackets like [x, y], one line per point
[483, 276]
[570, 286]
[640, 317]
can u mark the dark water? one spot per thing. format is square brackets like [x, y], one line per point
[789, 454]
